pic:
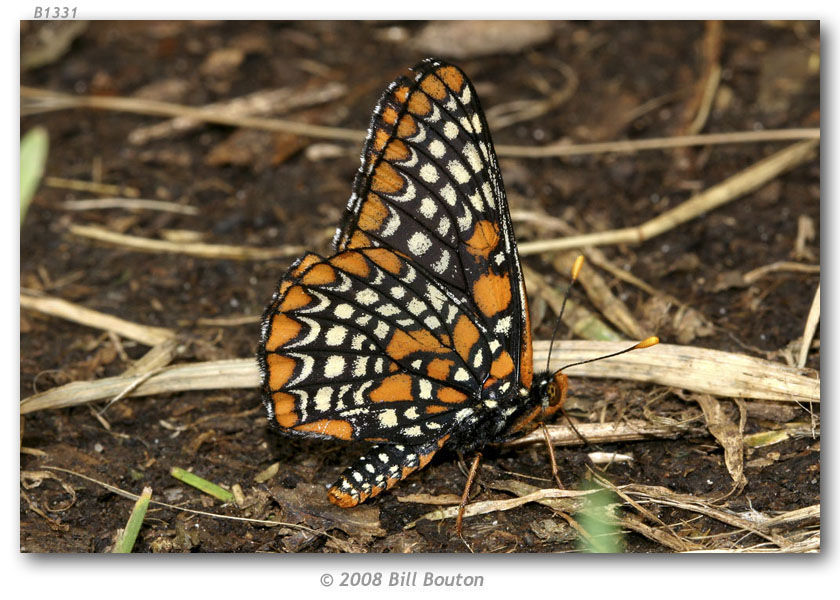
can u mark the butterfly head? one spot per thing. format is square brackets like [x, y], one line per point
[549, 393]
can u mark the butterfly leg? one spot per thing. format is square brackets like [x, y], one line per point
[379, 470]
[466, 495]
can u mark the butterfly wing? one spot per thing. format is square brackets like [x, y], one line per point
[430, 188]
[421, 315]
[363, 345]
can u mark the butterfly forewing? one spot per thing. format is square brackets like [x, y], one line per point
[430, 188]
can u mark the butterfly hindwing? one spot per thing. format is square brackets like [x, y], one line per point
[363, 345]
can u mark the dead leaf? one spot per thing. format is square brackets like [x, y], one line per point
[690, 324]
[729, 435]
[308, 504]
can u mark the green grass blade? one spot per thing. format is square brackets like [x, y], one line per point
[33, 159]
[202, 484]
[598, 520]
[132, 528]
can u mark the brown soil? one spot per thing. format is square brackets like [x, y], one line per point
[262, 189]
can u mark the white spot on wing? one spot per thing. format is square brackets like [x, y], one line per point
[335, 366]
[419, 243]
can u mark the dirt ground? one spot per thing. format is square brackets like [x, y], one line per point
[586, 82]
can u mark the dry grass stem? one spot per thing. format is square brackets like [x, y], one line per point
[217, 251]
[228, 321]
[130, 204]
[580, 320]
[263, 102]
[213, 375]
[810, 329]
[682, 141]
[687, 367]
[40, 100]
[742, 183]
[56, 307]
[44, 100]
[156, 358]
[93, 187]
[600, 433]
[488, 506]
[664, 496]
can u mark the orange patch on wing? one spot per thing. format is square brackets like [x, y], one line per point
[434, 87]
[407, 126]
[466, 335]
[419, 104]
[484, 239]
[450, 395]
[295, 298]
[373, 214]
[395, 388]
[502, 366]
[425, 458]
[306, 262]
[386, 179]
[380, 138]
[339, 498]
[284, 409]
[452, 76]
[385, 259]
[352, 262]
[389, 115]
[284, 287]
[320, 274]
[336, 428]
[283, 329]
[492, 293]
[439, 369]
[280, 369]
[397, 150]
[401, 93]
[404, 343]
[358, 240]
[433, 409]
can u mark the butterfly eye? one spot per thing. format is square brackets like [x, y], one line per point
[551, 390]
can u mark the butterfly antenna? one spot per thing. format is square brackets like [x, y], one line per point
[645, 343]
[575, 272]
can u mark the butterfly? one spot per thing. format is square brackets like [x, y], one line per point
[415, 334]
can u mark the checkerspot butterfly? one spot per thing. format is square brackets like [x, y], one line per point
[415, 334]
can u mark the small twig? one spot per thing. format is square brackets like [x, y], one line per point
[810, 329]
[735, 186]
[219, 251]
[752, 276]
[130, 204]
